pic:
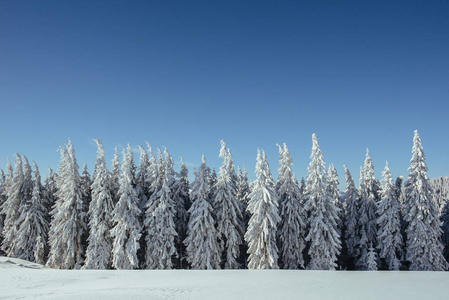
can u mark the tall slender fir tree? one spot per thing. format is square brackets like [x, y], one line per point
[292, 228]
[68, 220]
[323, 236]
[424, 247]
[262, 227]
[202, 246]
[126, 226]
[99, 250]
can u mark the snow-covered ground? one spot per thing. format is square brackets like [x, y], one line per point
[20, 279]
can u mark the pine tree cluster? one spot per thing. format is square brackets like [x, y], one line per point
[149, 216]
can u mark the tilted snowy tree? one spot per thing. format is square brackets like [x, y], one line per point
[352, 215]
[323, 236]
[68, 217]
[33, 229]
[389, 223]
[159, 223]
[126, 229]
[10, 209]
[292, 228]
[227, 211]
[367, 211]
[180, 190]
[98, 253]
[262, 226]
[202, 246]
[115, 177]
[424, 247]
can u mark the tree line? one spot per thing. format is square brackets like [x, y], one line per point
[148, 216]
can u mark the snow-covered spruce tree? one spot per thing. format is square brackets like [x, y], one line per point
[99, 249]
[10, 209]
[367, 212]
[292, 228]
[3, 196]
[202, 246]
[125, 219]
[352, 215]
[115, 177]
[33, 225]
[49, 192]
[262, 227]
[243, 192]
[424, 247]
[323, 236]
[389, 223]
[180, 190]
[141, 178]
[212, 184]
[159, 223]
[152, 173]
[371, 259]
[334, 193]
[68, 220]
[445, 227]
[86, 187]
[227, 211]
[27, 181]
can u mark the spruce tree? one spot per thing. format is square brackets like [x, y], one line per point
[10, 209]
[334, 193]
[212, 184]
[227, 211]
[126, 228]
[389, 223]
[50, 190]
[33, 229]
[98, 253]
[262, 227]
[243, 192]
[180, 190]
[3, 196]
[292, 228]
[159, 222]
[115, 177]
[371, 259]
[424, 247]
[445, 228]
[68, 217]
[367, 212]
[352, 215]
[141, 178]
[202, 246]
[27, 181]
[323, 236]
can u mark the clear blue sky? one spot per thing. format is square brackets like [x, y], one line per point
[185, 74]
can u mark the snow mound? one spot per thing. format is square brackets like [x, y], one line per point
[15, 263]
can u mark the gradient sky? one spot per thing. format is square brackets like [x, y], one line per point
[185, 74]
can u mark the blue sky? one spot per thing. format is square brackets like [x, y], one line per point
[185, 74]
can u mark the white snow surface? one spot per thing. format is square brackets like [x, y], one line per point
[22, 279]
